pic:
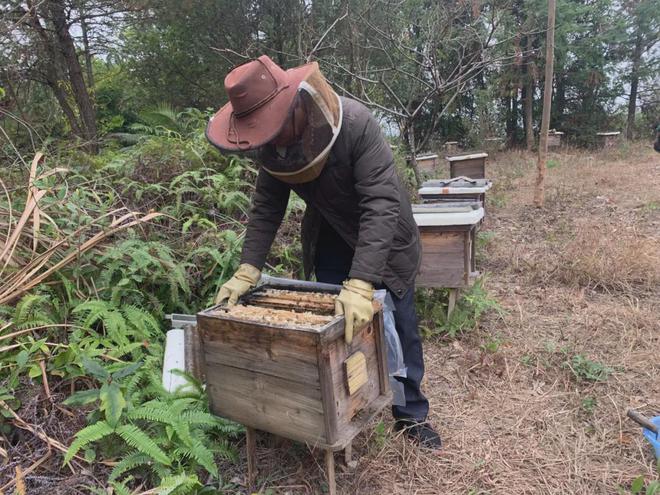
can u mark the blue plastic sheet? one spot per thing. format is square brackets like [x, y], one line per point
[654, 438]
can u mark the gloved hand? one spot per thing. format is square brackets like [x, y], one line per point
[243, 280]
[355, 303]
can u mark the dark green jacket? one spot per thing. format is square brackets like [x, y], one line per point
[360, 196]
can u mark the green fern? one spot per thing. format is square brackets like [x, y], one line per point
[180, 483]
[154, 411]
[142, 319]
[34, 310]
[96, 311]
[129, 462]
[140, 441]
[120, 488]
[86, 436]
[203, 456]
[200, 418]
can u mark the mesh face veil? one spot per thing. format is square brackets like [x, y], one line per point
[303, 159]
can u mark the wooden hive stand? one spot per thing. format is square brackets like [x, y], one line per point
[299, 382]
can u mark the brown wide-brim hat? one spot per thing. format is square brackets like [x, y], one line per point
[260, 95]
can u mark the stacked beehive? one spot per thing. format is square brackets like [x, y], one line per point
[448, 219]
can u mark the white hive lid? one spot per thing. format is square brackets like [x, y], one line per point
[430, 215]
[471, 156]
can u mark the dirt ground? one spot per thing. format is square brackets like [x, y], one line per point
[517, 400]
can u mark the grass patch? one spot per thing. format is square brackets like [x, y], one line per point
[472, 304]
[552, 163]
[651, 206]
[585, 369]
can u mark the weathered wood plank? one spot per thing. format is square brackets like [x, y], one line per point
[330, 416]
[289, 355]
[381, 354]
[290, 409]
[330, 472]
[443, 259]
[349, 405]
[251, 450]
[472, 168]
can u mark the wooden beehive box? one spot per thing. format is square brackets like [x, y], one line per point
[448, 235]
[554, 138]
[472, 165]
[427, 163]
[451, 147]
[494, 143]
[278, 362]
[608, 139]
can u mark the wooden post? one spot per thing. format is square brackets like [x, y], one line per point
[453, 294]
[330, 471]
[348, 453]
[539, 193]
[251, 447]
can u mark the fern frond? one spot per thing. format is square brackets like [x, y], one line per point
[156, 411]
[32, 311]
[141, 319]
[203, 456]
[181, 483]
[87, 435]
[120, 488]
[139, 440]
[130, 461]
[200, 418]
[224, 449]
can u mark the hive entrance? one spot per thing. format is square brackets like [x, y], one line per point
[282, 307]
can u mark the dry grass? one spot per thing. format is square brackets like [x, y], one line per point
[605, 258]
[578, 277]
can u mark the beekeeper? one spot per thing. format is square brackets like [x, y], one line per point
[358, 229]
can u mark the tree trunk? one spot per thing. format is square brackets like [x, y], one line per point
[61, 97]
[634, 82]
[412, 147]
[512, 118]
[560, 97]
[539, 193]
[87, 50]
[528, 97]
[78, 87]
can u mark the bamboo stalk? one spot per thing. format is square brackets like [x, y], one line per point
[32, 191]
[25, 280]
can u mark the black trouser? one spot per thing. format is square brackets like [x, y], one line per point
[333, 262]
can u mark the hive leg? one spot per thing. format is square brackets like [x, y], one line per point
[453, 294]
[330, 471]
[348, 453]
[251, 441]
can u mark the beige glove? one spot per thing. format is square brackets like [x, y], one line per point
[354, 302]
[243, 280]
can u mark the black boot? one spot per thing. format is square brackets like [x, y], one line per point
[421, 432]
